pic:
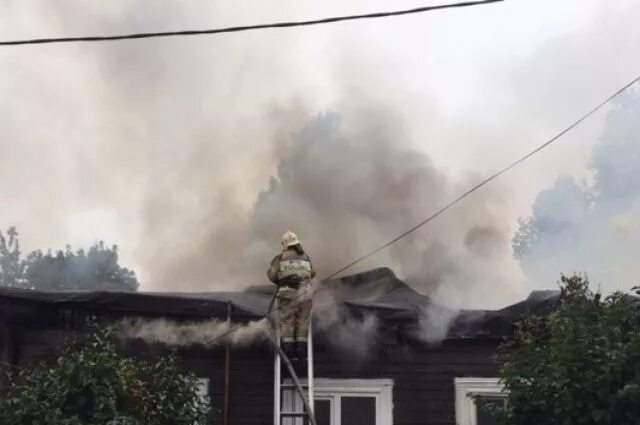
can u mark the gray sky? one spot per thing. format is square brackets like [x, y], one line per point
[143, 143]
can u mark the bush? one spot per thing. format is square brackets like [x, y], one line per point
[578, 363]
[93, 384]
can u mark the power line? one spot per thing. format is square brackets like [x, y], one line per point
[247, 27]
[459, 198]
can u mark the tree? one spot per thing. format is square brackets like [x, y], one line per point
[11, 267]
[578, 363]
[94, 385]
[556, 214]
[591, 225]
[97, 269]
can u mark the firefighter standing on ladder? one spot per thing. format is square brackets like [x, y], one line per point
[292, 271]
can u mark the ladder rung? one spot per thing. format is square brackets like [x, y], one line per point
[283, 385]
[300, 414]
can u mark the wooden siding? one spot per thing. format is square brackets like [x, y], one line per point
[423, 391]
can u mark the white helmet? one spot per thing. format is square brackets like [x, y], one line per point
[289, 239]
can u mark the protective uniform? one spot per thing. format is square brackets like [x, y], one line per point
[292, 271]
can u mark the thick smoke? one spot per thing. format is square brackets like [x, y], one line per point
[353, 335]
[434, 322]
[592, 226]
[167, 147]
[348, 183]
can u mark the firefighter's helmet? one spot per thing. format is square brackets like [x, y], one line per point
[289, 239]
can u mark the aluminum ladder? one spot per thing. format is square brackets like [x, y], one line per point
[288, 405]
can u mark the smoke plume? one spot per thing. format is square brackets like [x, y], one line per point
[434, 323]
[211, 333]
[195, 154]
[348, 183]
[352, 335]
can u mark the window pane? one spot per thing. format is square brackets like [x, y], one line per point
[322, 411]
[358, 411]
[486, 415]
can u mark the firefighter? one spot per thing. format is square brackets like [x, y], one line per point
[291, 271]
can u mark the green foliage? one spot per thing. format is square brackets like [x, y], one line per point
[93, 384]
[97, 269]
[576, 364]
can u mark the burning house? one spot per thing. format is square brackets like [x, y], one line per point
[382, 353]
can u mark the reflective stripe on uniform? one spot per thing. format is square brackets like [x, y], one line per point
[295, 265]
[300, 269]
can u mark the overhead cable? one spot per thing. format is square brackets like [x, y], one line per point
[212, 31]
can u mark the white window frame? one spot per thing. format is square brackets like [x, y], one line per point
[380, 389]
[466, 389]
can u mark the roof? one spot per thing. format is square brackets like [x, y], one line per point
[205, 304]
[377, 291]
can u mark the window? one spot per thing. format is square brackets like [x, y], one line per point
[489, 389]
[351, 401]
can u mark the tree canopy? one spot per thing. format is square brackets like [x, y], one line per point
[95, 269]
[92, 384]
[590, 224]
[578, 363]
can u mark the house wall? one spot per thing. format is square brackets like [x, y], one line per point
[423, 391]
[6, 342]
